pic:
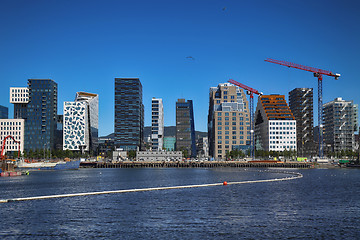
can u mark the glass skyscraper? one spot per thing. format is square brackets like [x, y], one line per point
[129, 114]
[4, 112]
[40, 126]
[185, 127]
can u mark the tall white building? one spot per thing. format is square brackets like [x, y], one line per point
[80, 128]
[157, 124]
[340, 119]
[275, 126]
[14, 128]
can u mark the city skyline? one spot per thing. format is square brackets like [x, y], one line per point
[177, 49]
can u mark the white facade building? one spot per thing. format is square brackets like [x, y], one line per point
[159, 156]
[340, 119]
[80, 129]
[275, 126]
[19, 95]
[14, 128]
[157, 124]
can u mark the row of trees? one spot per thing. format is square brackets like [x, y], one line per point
[236, 154]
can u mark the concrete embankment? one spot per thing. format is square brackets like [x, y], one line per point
[209, 164]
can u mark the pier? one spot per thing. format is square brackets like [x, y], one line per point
[193, 164]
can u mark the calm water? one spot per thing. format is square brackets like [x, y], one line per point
[324, 204]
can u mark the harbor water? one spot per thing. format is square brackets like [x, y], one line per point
[324, 204]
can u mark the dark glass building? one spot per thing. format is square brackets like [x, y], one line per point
[41, 121]
[301, 105]
[129, 114]
[185, 127]
[4, 112]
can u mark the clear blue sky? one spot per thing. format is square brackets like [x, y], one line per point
[84, 45]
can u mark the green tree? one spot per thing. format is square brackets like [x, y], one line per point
[131, 154]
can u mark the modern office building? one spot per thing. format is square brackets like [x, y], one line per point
[129, 114]
[185, 127]
[228, 120]
[14, 128]
[157, 124]
[202, 147]
[340, 119]
[301, 106]
[4, 112]
[41, 121]
[59, 132]
[80, 131]
[169, 143]
[275, 125]
[19, 96]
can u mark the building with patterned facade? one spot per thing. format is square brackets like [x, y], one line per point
[185, 127]
[157, 124]
[340, 119]
[14, 128]
[228, 120]
[80, 127]
[301, 106]
[4, 112]
[129, 114]
[275, 125]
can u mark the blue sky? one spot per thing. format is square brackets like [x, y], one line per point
[84, 45]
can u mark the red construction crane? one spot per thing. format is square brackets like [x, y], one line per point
[251, 92]
[2, 156]
[317, 73]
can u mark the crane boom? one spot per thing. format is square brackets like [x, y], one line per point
[2, 156]
[303, 67]
[245, 87]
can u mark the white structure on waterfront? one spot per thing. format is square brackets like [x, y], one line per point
[19, 95]
[14, 128]
[80, 129]
[159, 156]
[275, 126]
[340, 121]
[157, 124]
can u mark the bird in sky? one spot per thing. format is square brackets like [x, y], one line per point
[190, 57]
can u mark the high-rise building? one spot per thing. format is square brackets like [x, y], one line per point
[157, 124]
[185, 127]
[14, 128]
[4, 112]
[340, 119]
[19, 96]
[301, 106]
[275, 125]
[41, 121]
[228, 120]
[129, 114]
[80, 131]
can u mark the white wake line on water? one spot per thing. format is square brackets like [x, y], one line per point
[295, 176]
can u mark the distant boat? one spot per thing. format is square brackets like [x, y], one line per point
[59, 165]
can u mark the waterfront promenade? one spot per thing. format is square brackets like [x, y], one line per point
[193, 164]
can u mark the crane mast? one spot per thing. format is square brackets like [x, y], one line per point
[251, 92]
[319, 74]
